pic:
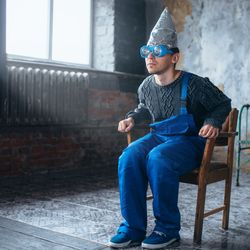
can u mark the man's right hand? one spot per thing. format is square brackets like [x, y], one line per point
[126, 125]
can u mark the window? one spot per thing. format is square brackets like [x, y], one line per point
[54, 30]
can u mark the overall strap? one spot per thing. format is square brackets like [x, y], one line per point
[184, 86]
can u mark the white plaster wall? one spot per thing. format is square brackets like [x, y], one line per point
[216, 43]
[103, 35]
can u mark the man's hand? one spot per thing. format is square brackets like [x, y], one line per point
[126, 125]
[208, 131]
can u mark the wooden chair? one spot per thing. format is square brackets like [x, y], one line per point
[211, 172]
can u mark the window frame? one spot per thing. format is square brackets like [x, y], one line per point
[49, 60]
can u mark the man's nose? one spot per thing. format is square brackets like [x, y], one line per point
[150, 56]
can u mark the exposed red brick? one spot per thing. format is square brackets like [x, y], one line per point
[96, 144]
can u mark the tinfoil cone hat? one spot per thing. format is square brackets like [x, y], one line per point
[164, 31]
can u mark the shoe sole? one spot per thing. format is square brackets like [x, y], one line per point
[129, 243]
[158, 246]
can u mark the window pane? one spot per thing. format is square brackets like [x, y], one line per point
[27, 28]
[71, 31]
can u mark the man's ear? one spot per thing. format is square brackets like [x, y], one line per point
[175, 58]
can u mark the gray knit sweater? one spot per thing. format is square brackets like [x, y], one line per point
[204, 100]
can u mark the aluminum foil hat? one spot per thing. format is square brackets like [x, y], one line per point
[164, 32]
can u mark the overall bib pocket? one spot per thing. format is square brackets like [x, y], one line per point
[176, 125]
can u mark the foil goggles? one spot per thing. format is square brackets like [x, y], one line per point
[157, 51]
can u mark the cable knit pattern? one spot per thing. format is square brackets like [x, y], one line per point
[204, 100]
[166, 98]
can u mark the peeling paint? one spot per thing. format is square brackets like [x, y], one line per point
[214, 40]
[179, 10]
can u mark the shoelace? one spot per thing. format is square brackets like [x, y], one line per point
[160, 233]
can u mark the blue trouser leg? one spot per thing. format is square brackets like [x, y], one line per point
[133, 183]
[166, 162]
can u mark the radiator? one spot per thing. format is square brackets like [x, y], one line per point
[35, 96]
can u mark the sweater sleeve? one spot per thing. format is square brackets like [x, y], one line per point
[141, 113]
[215, 102]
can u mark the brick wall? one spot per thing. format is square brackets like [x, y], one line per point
[119, 30]
[27, 151]
[42, 150]
[94, 145]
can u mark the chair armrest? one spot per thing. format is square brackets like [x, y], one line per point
[227, 134]
[222, 139]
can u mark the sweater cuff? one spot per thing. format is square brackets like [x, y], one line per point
[213, 122]
[135, 116]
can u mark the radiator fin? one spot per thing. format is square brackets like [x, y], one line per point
[35, 96]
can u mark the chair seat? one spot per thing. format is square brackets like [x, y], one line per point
[217, 171]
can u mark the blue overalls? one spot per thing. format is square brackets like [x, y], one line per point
[171, 149]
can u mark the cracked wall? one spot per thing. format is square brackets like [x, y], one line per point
[214, 40]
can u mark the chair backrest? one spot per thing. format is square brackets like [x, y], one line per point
[228, 128]
[233, 117]
[228, 133]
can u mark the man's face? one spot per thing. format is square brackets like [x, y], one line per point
[159, 65]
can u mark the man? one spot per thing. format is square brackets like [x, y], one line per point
[184, 109]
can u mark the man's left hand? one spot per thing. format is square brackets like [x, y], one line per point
[208, 131]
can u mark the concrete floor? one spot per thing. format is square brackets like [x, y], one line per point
[87, 207]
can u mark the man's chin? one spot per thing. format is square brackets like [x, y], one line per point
[151, 71]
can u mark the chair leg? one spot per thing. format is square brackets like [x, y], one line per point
[199, 216]
[227, 198]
